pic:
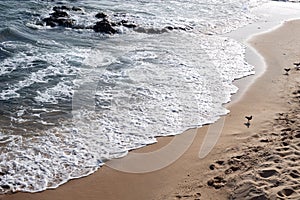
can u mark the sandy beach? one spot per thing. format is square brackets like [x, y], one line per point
[250, 161]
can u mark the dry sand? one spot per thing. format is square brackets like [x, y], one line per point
[259, 161]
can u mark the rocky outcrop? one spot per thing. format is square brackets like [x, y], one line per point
[65, 22]
[74, 8]
[62, 16]
[104, 26]
[101, 15]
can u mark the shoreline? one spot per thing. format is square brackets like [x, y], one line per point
[103, 182]
[263, 164]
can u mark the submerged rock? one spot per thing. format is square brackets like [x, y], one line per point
[59, 18]
[126, 24]
[74, 8]
[65, 22]
[101, 15]
[49, 22]
[59, 13]
[58, 8]
[104, 26]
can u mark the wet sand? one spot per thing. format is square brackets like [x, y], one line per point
[246, 162]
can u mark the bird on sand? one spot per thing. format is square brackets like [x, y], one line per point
[248, 118]
[297, 64]
[287, 70]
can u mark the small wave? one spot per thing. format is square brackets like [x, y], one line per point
[11, 34]
[4, 54]
[35, 26]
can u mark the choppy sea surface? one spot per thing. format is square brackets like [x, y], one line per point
[70, 99]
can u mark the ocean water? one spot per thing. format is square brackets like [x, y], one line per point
[71, 99]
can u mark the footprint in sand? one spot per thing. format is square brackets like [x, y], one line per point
[295, 174]
[265, 140]
[286, 192]
[217, 165]
[250, 191]
[232, 169]
[217, 182]
[266, 173]
[220, 162]
[189, 196]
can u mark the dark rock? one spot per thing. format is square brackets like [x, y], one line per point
[74, 8]
[59, 13]
[127, 24]
[104, 26]
[39, 23]
[113, 24]
[69, 23]
[76, 26]
[120, 14]
[169, 28]
[60, 17]
[56, 8]
[59, 8]
[65, 22]
[65, 8]
[130, 25]
[5, 187]
[50, 22]
[181, 28]
[101, 15]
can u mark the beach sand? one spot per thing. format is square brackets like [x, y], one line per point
[259, 161]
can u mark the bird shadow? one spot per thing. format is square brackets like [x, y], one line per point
[247, 124]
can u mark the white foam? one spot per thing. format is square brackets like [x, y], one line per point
[57, 65]
[157, 92]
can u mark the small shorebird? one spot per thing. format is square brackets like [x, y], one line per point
[287, 70]
[248, 118]
[297, 65]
